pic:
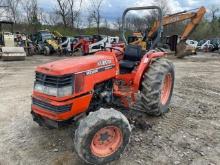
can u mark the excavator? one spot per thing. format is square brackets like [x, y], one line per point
[178, 43]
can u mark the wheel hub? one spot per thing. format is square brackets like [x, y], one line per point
[166, 88]
[106, 141]
[104, 137]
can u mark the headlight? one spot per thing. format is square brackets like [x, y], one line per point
[65, 91]
[58, 92]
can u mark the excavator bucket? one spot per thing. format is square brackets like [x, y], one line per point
[182, 50]
[12, 53]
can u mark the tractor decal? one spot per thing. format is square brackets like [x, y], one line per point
[96, 70]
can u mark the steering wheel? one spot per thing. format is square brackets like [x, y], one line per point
[111, 48]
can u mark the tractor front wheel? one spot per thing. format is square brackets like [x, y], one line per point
[157, 87]
[102, 136]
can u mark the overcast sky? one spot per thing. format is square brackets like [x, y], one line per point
[112, 9]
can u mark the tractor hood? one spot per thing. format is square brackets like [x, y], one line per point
[76, 64]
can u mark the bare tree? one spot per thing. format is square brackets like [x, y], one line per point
[106, 25]
[213, 11]
[163, 4]
[32, 13]
[3, 8]
[53, 18]
[26, 6]
[31, 10]
[63, 10]
[118, 23]
[74, 14]
[48, 17]
[78, 20]
[135, 23]
[13, 9]
[72, 11]
[95, 12]
[89, 20]
[2, 3]
[214, 24]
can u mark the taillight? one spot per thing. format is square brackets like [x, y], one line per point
[79, 82]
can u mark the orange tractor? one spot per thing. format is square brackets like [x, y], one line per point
[90, 90]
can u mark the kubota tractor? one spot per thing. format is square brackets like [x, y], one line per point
[90, 90]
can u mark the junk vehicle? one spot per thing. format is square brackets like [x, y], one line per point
[95, 43]
[8, 50]
[47, 42]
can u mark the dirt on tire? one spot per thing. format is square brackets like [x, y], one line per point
[88, 129]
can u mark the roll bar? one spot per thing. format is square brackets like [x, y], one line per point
[160, 17]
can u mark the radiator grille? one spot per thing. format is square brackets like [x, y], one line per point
[47, 106]
[54, 81]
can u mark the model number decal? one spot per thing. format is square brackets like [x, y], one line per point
[93, 71]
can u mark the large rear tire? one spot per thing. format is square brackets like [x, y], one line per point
[102, 136]
[157, 87]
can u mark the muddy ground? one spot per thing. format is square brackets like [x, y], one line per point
[188, 134]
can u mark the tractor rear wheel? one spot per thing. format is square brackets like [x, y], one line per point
[157, 87]
[102, 136]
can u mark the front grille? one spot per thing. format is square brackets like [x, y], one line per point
[47, 106]
[54, 81]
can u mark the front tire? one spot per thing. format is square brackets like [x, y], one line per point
[102, 136]
[157, 87]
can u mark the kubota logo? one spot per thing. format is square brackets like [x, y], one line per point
[104, 62]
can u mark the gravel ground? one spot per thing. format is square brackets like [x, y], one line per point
[188, 134]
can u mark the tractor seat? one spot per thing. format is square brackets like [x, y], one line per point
[132, 56]
[125, 64]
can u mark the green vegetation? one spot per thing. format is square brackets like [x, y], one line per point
[207, 29]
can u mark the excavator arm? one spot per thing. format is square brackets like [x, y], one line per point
[195, 17]
[182, 49]
[193, 23]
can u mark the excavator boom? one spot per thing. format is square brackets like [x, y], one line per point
[195, 17]
[193, 23]
[182, 49]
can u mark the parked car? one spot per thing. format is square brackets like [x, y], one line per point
[205, 45]
[192, 43]
[215, 42]
[200, 43]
